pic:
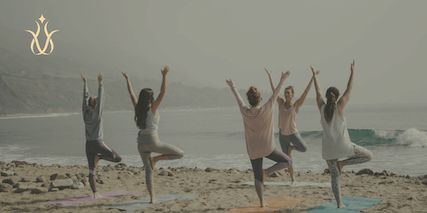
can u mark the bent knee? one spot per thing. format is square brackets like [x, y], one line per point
[180, 154]
[302, 149]
[117, 159]
[369, 156]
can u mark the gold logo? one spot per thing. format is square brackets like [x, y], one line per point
[48, 38]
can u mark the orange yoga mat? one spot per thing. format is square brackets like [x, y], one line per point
[273, 205]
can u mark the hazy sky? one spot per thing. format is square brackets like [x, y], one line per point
[211, 41]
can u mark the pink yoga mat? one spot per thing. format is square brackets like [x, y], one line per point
[89, 198]
[274, 204]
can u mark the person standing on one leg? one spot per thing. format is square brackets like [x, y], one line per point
[259, 134]
[147, 120]
[95, 147]
[288, 132]
[336, 140]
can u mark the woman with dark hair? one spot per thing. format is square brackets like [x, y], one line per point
[259, 133]
[96, 149]
[336, 140]
[147, 119]
[288, 132]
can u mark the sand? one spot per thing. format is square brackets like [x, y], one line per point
[219, 189]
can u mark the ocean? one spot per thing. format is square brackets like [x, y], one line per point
[395, 133]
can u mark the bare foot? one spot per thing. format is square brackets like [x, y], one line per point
[340, 165]
[96, 195]
[153, 201]
[291, 172]
[263, 204]
[341, 206]
[264, 175]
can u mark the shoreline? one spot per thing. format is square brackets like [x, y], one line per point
[232, 161]
[219, 189]
[17, 163]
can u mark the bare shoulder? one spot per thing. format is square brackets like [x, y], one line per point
[280, 101]
[340, 109]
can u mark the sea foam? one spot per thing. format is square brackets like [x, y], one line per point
[412, 137]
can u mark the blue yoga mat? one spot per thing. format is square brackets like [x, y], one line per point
[288, 183]
[145, 202]
[353, 204]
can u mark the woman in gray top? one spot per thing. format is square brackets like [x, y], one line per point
[95, 147]
[147, 119]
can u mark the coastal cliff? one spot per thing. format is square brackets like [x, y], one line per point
[38, 95]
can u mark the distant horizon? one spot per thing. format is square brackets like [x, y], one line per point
[262, 91]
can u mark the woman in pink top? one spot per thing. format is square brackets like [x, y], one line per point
[288, 111]
[259, 134]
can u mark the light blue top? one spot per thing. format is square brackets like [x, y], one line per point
[151, 122]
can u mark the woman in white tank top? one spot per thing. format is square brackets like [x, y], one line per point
[288, 132]
[336, 140]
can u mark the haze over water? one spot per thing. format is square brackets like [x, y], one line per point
[215, 138]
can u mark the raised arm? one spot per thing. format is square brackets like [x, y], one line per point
[346, 96]
[162, 93]
[279, 86]
[301, 100]
[131, 93]
[319, 97]
[279, 99]
[101, 94]
[86, 94]
[236, 93]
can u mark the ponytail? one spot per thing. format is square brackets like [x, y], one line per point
[332, 95]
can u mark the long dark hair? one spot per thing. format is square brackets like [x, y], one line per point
[254, 97]
[145, 99]
[332, 95]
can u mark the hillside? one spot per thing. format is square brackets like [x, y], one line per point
[23, 95]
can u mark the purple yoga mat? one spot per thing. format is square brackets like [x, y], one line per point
[89, 198]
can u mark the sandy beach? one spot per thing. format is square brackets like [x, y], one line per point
[219, 189]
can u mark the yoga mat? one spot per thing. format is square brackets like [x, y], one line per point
[288, 183]
[353, 204]
[145, 202]
[273, 205]
[89, 198]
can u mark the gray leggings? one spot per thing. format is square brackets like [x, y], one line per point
[361, 155]
[151, 143]
[295, 139]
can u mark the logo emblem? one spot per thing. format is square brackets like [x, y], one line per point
[48, 38]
